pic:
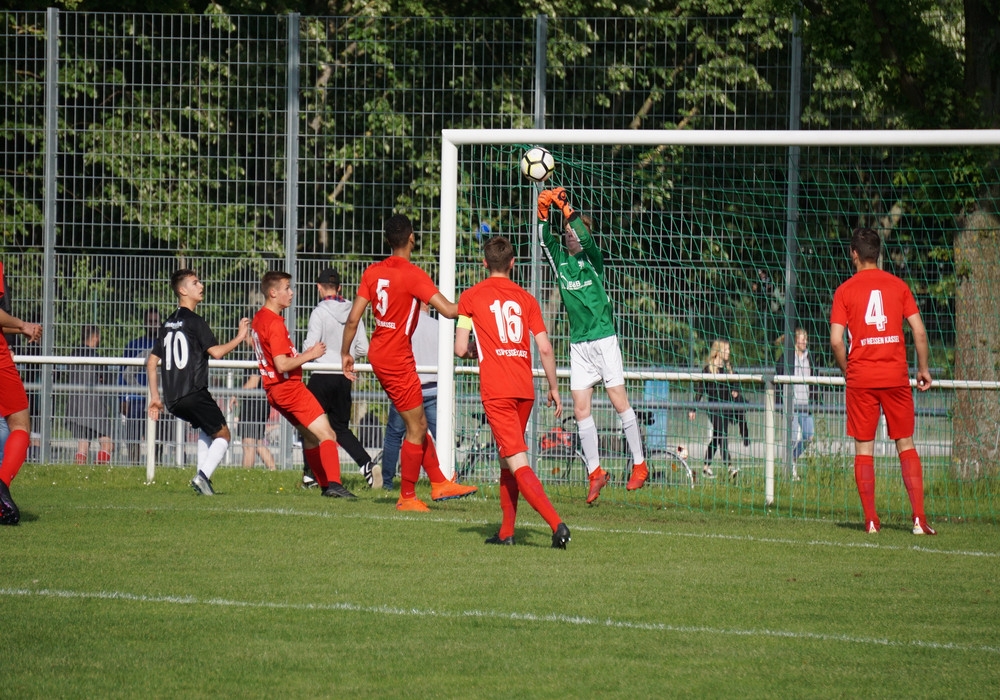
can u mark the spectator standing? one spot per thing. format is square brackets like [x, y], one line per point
[802, 394]
[721, 392]
[133, 379]
[253, 411]
[871, 307]
[87, 410]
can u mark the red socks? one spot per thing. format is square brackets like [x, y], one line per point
[315, 464]
[534, 494]
[913, 480]
[410, 456]
[15, 451]
[864, 476]
[329, 454]
[430, 461]
[508, 503]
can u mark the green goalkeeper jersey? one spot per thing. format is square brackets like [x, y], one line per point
[580, 286]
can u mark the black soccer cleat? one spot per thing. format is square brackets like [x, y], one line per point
[9, 513]
[496, 540]
[560, 537]
[336, 490]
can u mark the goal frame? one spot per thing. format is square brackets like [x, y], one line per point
[453, 139]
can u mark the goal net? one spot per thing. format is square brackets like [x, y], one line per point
[743, 237]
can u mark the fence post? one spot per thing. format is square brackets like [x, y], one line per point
[291, 190]
[49, 223]
[769, 435]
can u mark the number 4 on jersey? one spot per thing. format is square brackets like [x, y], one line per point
[875, 313]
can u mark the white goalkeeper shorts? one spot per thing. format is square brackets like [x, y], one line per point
[593, 362]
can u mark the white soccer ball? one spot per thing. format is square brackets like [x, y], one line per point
[537, 164]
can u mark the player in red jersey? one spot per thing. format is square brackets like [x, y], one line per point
[871, 306]
[503, 314]
[281, 374]
[395, 287]
[13, 408]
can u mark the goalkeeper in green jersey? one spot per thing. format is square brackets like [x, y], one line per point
[595, 356]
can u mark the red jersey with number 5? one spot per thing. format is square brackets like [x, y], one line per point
[503, 313]
[872, 306]
[395, 287]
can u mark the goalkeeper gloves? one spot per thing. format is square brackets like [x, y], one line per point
[544, 202]
[562, 201]
[557, 196]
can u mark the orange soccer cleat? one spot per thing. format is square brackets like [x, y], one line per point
[639, 475]
[413, 505]
[447, 490]
[598, 480]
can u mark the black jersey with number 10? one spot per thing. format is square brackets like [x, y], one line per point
[182, 346]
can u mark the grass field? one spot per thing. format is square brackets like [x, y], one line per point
[114, 588]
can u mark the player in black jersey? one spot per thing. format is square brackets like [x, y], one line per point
[184, 344]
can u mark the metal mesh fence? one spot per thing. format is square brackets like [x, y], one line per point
[134, 144]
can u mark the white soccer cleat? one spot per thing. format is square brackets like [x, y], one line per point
[920, 527]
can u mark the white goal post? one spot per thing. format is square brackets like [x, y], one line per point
[453, 139]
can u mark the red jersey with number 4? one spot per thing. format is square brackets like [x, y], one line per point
[270, 339]
[503, 313]
[872, 306]
[395, 287]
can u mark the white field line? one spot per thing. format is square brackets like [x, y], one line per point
[498, 615]
[868, 543]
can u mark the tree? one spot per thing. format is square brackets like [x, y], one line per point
[916, 64]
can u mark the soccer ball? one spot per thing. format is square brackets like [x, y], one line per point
[537, 164]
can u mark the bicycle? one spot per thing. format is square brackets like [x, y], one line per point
[561, 445]
[476, 457]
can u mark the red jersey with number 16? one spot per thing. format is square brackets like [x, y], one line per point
[395, 287]
[872, 306]
[502, 314]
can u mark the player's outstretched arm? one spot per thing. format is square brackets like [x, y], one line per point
[548, 357]
[217, 352]
[448, 309]
[155, 405]
[923, 351]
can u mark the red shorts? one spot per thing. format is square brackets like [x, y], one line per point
[295, 402]
[401, 383]
[12, 395]
[863, 412]
[508, 419]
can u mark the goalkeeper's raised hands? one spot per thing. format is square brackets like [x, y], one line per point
[557, 196]
[561, 200]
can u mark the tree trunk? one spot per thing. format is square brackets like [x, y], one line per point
[976, 423]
